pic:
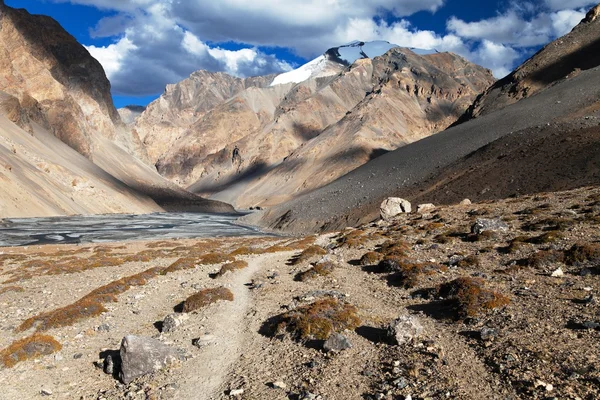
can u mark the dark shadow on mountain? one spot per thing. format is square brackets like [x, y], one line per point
[305, 132]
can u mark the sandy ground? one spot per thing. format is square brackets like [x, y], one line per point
[538, 350]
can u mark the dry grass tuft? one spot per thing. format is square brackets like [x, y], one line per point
[180, 264]
[470, 297]
[309, 253]
[319, 319]
[206, 297]
[370, 258]
[28, 348]
[15, 289]
[545, 258]
[548, 237]
[88, 306]
[215, 258]
[583, 253]
[471, 261]
[407, 273]
[319, 269]
[394, 248]
[230, 267]
[245, 250]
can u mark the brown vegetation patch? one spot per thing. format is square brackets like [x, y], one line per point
[206, 297]
[245, 250]
[548, 237]
[230, 267]
[470, 298]
[15, 289]
[88, 306]
[545, 258]
[31, 347]
[215, 258]
[180, 264]
[308, 253]
[471, 261]
[318, 320]
[319, 269]
[370, 258]
[394, 248]
[583, 253]
[408, 274]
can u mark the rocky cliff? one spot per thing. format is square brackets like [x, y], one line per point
[562, 59]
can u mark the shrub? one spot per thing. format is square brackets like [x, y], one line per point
[582, 253]
[319, 319]
[394, 248]
[408, 274]
[516, 244]
[370, 258]
[469, 262]
[28, 348]
[353, 239]
[180, 264]
[470, 297]
[230, 267]
[319, 269]
[245, 250]
[206, 297]
[545, 258]
[548, 237]
[215, 258]
[309, 253]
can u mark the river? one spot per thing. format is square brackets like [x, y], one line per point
[118, 227]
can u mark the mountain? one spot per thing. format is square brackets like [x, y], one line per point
[562, 59]
[338, 111]
[546, 141]
[129, 114]
[50, 83]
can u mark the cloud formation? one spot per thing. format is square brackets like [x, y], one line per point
[163, 41]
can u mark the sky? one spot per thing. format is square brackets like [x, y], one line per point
[144, 45]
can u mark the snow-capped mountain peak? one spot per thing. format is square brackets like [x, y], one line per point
[329, 63]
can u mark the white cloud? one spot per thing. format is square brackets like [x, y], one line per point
[163, 41]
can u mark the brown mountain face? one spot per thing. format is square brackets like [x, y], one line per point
[56, 83]
[172, 115]
[562, 59]
[50, 85]
[295, 137]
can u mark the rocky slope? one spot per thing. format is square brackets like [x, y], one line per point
[337, 120]
[58, 84]
[129, 114]
[562, 59]
[49, 82]
[455, 162]
[173, 115]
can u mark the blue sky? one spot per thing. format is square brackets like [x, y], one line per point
[147, 44]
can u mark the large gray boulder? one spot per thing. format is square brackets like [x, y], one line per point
[141, 356]
[393, 206]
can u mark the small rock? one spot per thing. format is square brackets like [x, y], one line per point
[558, 273]
[141, 356]
[545, 385]
[46, 392]
[236, 392]
[483, 225]
[103, 328]
[278, 385]
[337, 342]
[424, 208]
[109, 365]
[466, 202]
[487, 334]
[204, 340]
[172, 321]
[393, 206]
[78, 356]
[404, 329]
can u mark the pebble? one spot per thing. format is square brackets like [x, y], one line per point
[558, 273]
[236, 392]
[278, 385]
[46, 392]
[204, 340]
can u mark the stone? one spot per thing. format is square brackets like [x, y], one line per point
[46, 392]
[466, 202]
[484, 225]
[487, 334]
[204, 340]
[337, 342]
[278, 385]
[393, 206]
[109, 365]
[425, 208]
[236, 392]
[172, 321]
[103, 328]
[141, 356]
[404, 329]
[558, 273]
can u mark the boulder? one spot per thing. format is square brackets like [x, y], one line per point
[393, 206]
[404, 329]
[466, 202]
[337, 342]
[495, 225]
[425, 208]
[141, 356]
